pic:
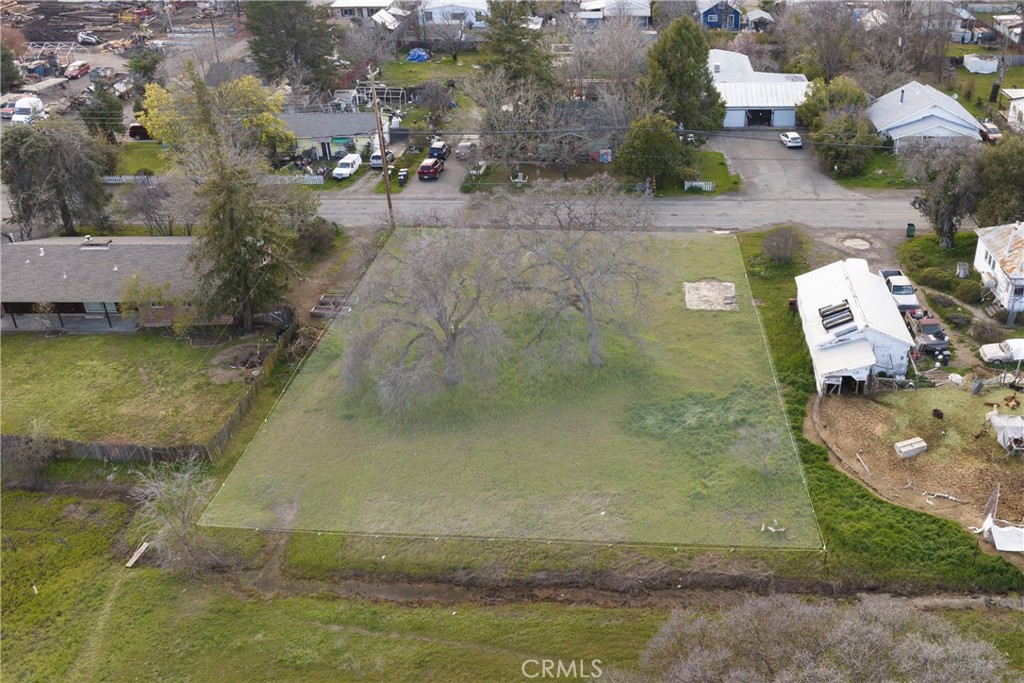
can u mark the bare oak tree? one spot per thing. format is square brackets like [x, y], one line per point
[582, 252]
[513, 112]
[426, 314]
[827, 29]
[170, 498]
[783, 638]
[165, 208]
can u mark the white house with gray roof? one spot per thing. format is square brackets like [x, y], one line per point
[999, 257]
[916, 112]
[329, 135]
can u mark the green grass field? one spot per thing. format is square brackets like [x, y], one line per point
[686, 444]
[135, 156]
[881, 172]
[140, 388]
[399, 73]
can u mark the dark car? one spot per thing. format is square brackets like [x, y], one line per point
[7, 109]
[439, 150]
[137, 131]
[430, 168]
[929, 335]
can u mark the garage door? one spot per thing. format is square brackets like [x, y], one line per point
[735, 118]
[784, 118]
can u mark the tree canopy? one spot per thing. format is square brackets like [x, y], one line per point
[52, 172]
[678, 63]
[948, 172]
[515, 48]
[144, 67]
[10, 74]
[652, 150]
[1002, 183]
[103, 114]
[292, 40]
[841, 93]
[172, 116]
[844, 139]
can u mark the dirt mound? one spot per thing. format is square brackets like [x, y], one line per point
[237, 363]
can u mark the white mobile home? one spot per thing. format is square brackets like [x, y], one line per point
[852, 326]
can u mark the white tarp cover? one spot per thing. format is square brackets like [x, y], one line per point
[981, 64]
[1008, 428]
[1006, 538]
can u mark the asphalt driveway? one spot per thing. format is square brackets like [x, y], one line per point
[772, 171]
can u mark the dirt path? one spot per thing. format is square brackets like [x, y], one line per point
[337, 273]
[87, 664]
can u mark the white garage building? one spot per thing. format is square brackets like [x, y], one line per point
[852, 326]
[755, 98]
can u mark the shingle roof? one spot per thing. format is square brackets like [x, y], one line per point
[59, 270]
[325, 126]
[914, 101]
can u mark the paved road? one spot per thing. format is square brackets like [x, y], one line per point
[890, 211]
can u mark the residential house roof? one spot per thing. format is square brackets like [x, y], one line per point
[477, 6]
[1006, 244]
[1013, 93]
[622, 8]
[727, 66]
[320, 126]
[704, 5]
[915, 108]
[64, 270]
[386, 19]
[361, 4]
[759, 15]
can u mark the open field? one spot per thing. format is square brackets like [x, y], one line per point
[686, 444]
[130, 388]
[881, 172]
[399, 73]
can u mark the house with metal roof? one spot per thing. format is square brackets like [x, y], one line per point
[74, 279]
[329, 135]
[755, 98]
[999, 257]
[852, 326]
[639, 10]
[916, 112]
[362, 9]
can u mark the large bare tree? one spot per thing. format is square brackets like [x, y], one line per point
[582, 254]
[513, 114]
[166, 208]
[824, 28]
[425, 315]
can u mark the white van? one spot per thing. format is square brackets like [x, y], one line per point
[348, 165]
[28, 110]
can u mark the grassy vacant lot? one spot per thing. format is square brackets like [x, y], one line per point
[138, 388]
[685, 444]
[882, 172]
[402, 74]
[135, 156]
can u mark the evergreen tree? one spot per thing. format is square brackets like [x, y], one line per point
[653, 150]
[10, 73]
[514, 48]
[292, 40]
[104, 115]
[679, 69]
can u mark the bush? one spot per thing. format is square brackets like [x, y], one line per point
[986, 332]
[959, 320]
[317, 234]
[942, 301]
[782, 244]
[969, 291]
[936, 278]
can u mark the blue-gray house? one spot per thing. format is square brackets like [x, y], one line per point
[722, 14]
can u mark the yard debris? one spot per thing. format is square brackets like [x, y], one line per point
[863, 464]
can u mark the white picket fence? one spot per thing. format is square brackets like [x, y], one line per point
[267, 179]
[702, 185]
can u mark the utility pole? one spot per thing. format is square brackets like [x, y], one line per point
[383, 154]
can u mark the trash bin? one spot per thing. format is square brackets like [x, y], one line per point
[911, 229]
[403, 176]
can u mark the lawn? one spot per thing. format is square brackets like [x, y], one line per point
[135, 156]
[402, 74]
[881, 172]
[974, 89]
[139, 388]
[686, 443]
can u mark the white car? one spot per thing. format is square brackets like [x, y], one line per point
[1003, 352]
[902, 290]
[791, 139]
[348, 165]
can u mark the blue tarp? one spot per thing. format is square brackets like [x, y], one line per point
[417, 54]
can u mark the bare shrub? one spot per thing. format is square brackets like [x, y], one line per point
[782, 244]
[24, 458]
[986, 332]
[170, 499]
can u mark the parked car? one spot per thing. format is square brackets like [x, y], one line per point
[77, 69]
[430, 168]
[439, 149]
[990, 132]
[7, 109]
[927, 331]
[902, 290]
[347, 166]
[1004, 352]
[28, 110]
[377, 163]
[88, 38]
[791, 139]
[890, 272]
[137, 131]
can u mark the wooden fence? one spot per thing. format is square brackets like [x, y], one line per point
[122, 452]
